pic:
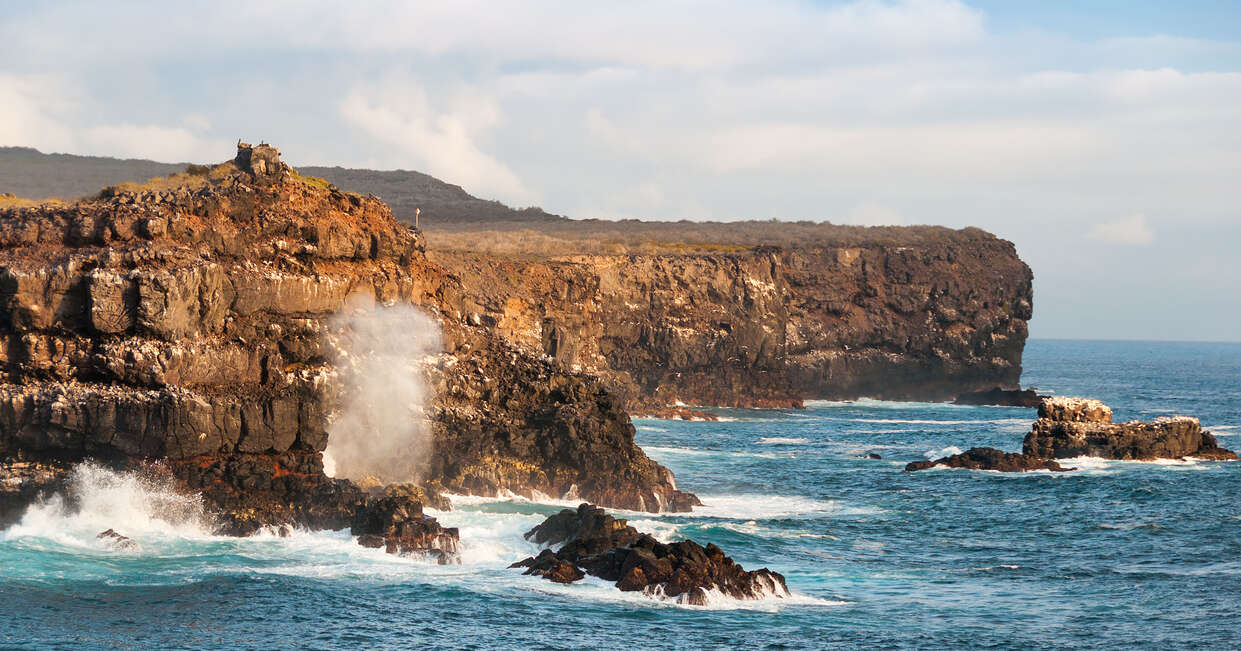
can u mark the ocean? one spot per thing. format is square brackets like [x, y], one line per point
[1114, 555]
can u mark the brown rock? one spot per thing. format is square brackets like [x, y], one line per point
[1075, 427]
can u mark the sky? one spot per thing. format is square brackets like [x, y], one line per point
[1102, 138]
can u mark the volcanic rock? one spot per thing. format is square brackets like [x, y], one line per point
[1076, 427]
[116, 541]
[396, 522]
[597, 544]
[924, 314]
[989, 459]
[187, 321]
[1000, 397]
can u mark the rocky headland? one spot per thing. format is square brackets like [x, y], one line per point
[184, 324]
[748, 314]
[592, 542]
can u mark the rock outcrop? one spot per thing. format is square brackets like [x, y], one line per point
[989, 459]
[1077, 427]
[595, 543]
[186, 321]
[395, 521]
[998, 397]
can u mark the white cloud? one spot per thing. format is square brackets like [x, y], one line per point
[1128, 231]
[400, 117]
[872, 214]
[869, 111]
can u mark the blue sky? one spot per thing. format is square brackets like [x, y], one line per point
[1103, 138]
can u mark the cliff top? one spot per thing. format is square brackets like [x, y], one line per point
[457, 221]
[252, 207]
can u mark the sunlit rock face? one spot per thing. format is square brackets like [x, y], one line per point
[190, 320]
[1077, 427]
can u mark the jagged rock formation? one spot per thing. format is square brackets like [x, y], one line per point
[768, 326]
[395, 522]
[595, 543]
[989, 459]
[185, 321]
[1076, 427]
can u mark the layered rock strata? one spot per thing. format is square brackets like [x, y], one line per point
[186, 322]
[1076, 427]
[940, 316]
[592, 542]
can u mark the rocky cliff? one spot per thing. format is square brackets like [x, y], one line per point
[184, 321]
[941, 314]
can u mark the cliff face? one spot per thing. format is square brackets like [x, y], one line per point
[769, 326]
[185, 323]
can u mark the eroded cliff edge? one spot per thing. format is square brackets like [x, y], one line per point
[183, 323]
[929, 315]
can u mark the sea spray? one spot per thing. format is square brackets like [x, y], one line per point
[135, 504]
[381, 429]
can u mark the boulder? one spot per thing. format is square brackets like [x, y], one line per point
[595, 543]
[396, 522]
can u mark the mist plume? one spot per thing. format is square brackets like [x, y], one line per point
[381, 428]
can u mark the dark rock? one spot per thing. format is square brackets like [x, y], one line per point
[1001, 398]
[396, 523]
[1075, 427]
[595, 543]
[990, 459]
[873, 455]
[116, 541]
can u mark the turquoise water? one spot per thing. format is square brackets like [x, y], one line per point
[1118, 554]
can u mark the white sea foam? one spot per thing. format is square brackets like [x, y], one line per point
[871, 403]
[780, 440]
[925, 421]
[699, 452]
[758, 507]
[932, 455]
[97, 499]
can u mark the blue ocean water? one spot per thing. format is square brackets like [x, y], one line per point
[1117, 554]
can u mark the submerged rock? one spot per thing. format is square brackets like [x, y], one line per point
[1000, 397]
[597, 544]
[1077, 427]
[990, 459]
[116, 541]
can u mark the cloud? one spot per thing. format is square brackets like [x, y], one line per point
[872, 214]
[1129, 231]
[869, 111]
[400, 117]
